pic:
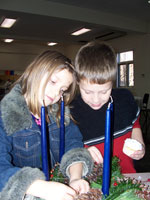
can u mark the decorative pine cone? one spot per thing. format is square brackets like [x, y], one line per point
[119, 184]
[97, 172]
[145, 193]
[93, 194]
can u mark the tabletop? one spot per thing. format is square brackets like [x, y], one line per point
[144, 177]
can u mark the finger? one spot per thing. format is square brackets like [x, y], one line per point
[84, 188]
[69, 197]
[140, 152]
[71, 191]
[137, 156]
[81, 186]
[98, 157]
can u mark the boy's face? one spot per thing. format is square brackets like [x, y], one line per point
[95, 95]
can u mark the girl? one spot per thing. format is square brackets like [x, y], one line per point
[45, 79]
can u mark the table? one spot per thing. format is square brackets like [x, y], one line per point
[144, 177]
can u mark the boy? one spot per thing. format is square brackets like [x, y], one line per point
[96, 69]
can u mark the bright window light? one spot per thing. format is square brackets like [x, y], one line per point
[126, 56]
[51, 43]
[8, 23]
[81, 31]
[8, 40]
[125, 77]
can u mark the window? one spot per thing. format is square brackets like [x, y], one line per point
[125, 69]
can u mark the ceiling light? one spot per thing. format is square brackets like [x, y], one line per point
[51, 43]
[8, 40]
[7, 23]
[148, 1]
[81, 31]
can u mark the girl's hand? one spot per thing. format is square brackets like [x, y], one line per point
[51, 190]
[80, 185]
[96, 154]
[137, 155]
[60, 191]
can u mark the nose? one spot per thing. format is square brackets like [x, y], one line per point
[96, 98]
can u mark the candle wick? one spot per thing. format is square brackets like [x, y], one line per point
[62, 95]
[111, 101]
[43, 102]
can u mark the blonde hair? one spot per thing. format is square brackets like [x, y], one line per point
[45, 63]
[96, 63]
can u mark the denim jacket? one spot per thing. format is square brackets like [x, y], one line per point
[20, 144]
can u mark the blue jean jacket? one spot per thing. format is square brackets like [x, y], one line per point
[20, 138]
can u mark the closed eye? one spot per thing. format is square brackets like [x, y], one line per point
[52, 82]
[87, 92]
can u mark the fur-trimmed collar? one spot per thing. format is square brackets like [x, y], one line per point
[15, 113]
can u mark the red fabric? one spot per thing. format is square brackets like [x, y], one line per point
[126, 163]
[137, 123]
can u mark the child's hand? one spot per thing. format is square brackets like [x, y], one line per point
[80, 185]
[61, 192]
[137, 155]
[96, 154]
[51, 190]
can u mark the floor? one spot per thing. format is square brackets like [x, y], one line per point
[143, 165]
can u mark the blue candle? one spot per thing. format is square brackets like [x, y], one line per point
[45, 166]
[62, 131]
[107, 145]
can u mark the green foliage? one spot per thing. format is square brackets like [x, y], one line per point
[115, 167]
[121, 188]
[124, 188]
[115, 172]
[56, 175]
[96, 185]
[128, 195]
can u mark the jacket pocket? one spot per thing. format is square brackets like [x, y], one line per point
[27, 149]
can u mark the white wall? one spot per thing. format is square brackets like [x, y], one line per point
[17, 56]
[140, 44]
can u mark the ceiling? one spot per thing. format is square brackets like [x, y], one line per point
[42, 21]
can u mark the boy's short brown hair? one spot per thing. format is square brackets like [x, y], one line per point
[96, 63]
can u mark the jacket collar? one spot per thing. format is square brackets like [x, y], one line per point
[16, 115]
[14, 111]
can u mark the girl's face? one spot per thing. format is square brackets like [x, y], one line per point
[95, 95]
[58, 83]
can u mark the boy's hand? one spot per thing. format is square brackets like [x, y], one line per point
[80, 185]
[137, 155]
[96, 154]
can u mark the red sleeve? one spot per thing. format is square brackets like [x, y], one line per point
[137, 123]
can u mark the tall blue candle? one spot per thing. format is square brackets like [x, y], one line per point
[45, 166]
[107, 146]
[62, 130]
